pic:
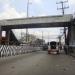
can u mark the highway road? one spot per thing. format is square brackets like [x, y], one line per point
[37, 63]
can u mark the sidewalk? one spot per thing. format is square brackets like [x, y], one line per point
[73, 55]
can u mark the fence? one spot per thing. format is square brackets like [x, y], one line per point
[8, 50]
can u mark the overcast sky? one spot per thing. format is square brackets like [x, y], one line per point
[18, 9]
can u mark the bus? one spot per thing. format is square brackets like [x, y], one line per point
[53, 47]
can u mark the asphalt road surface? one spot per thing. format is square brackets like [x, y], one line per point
[39, 63]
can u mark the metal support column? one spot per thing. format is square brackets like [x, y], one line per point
[68, 39]
[8, 37]
[0, 34]
[0, 37]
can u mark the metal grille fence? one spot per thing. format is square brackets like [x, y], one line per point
[8, 50]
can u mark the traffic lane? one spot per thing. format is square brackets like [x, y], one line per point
[15, 64]
[40, 64]
[10, 59]
[52, 65]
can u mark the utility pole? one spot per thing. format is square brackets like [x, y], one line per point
[48, 38]
[42, 38]
[63, 12]
[21, 36]
[62, 6]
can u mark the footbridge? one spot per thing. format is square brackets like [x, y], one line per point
[37, 22]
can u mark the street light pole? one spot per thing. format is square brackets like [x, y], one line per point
[28, 8]
[27, 17]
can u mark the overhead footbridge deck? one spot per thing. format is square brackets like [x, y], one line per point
[37, 22]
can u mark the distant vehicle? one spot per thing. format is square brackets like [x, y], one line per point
[53, 47]
[45, 47]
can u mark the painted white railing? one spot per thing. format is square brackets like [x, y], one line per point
[8, 50]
